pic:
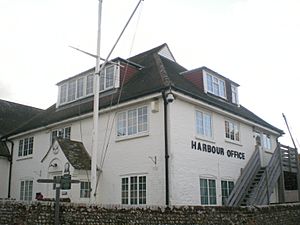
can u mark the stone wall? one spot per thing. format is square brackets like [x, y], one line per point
[42, 213]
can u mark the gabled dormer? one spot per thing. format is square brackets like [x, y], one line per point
[82, 85]
[213, 84]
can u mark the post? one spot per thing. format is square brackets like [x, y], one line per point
[57, 196]
[96, 112]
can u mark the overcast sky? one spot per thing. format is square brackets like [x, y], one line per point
[255, 43]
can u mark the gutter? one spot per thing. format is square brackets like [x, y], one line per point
[10, 159]
[168, 97]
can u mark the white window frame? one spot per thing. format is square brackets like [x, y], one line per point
[226, 191]
[134, 193]
[234, 94]
[203, 129]
[217, 87]
[88, 79]
[26, 189]
[85, 192]
[26, 147]
[209, 197]
[235, 127]
[64, 132]
[135, 126]
[266, 141]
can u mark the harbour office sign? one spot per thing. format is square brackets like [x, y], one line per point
[216, 150]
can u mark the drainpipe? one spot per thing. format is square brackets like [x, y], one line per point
[168, 97]
[10, 159]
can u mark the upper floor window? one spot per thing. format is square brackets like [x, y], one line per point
[266, 141]
[62, 133]
[232, 131]
[25, 147]
[215, 85]
[133, 121]
[234, 94]
[203, 124]
[82, 86]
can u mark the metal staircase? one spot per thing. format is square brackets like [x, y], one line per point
[256, 183]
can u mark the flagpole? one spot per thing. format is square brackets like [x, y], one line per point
[96, 112]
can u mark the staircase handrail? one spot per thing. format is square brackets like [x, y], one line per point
[245, 179]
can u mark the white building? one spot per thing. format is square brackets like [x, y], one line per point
[167, 136]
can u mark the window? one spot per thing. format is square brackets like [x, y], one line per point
[89, 84]
[85, 189]
[82, 86]
[232, 131]
[26, 190]
[203, 124]
[80, 83]
[133, 190]
[226, 189]
[25, 147]
[215, 85]
[208, 192]
[107, 78]
[71, 90]
[234, 94]
[133, 121]
[266, 141]
[62, 133]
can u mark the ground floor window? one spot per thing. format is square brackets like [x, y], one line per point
[133, 190]
[208, 191]
[85, 189]
[226, 189]
[26, 190]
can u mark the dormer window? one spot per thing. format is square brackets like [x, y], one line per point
[214, 85]
[81, 86]
[234, 94]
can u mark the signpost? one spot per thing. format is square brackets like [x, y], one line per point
[61, 183]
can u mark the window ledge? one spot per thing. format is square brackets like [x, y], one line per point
[203, 138]
[233, 142]
[24, 158]
[123, 138]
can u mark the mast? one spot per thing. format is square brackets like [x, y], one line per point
[96, 111]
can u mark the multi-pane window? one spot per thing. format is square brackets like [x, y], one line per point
[203, 124]
[25, 147]
[26, 190]
[226, 189]
[234, 94]
[208, 191]
[89, 84]
[71, 90]
[133, 190]
[62, 133]
[266, 141]
[133, 121]
[82, 86]
[85, 189]
[232, 131]
[215, 85]
[107, 77]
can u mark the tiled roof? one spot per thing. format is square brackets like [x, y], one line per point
[4, 150]
[157, 74]
[76, 153]
[13, 115]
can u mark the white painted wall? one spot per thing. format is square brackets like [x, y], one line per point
[188, 165]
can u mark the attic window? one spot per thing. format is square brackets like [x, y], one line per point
[234, 94]
[82, 86]
[214, 85]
